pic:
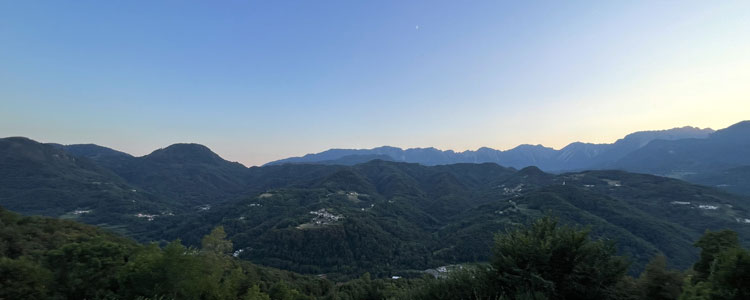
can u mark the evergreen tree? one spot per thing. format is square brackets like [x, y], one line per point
[659, 283]
[730, 276]
[23, 279]
[695, 290]
[216, 242]
[711, 244]
[254, 293]
[558, 261]
[88, 270]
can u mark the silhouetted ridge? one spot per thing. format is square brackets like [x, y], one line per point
[92, 151]
[21, 149]
[20, 139]
[575, 156]
[355, 159]
[531, 175]
[739, 132]
[43, 179]
[724, 149]
[642, 138]
[185, 153]
[532, 171]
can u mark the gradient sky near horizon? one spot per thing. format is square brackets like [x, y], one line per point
[262, 80]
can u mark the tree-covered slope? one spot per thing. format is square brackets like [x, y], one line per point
[45, 258]
[188, 173]
[393, 218]
[40, 179]
[735, 180]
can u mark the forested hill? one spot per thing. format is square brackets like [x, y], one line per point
[389, 218]
[39, 179]
[44, 258]
[386, 218]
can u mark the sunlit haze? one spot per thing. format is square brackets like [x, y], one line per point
[260, 81]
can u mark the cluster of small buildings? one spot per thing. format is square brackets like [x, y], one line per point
[515, 190]
[709, 207]
[443, 271]
[147, 216]
[614, 183]
[323, 217]
[701, 206]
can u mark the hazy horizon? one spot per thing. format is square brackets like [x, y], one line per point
[384, 145]
[257, 82]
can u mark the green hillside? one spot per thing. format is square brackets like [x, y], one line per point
[383, 217]
[395, 218]
[44, 258]
[735, 180]
[39, 179]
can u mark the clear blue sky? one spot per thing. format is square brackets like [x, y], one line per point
[262, 80]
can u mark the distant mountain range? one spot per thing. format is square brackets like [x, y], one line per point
[726, 148]
[698, 155]
[575, 156]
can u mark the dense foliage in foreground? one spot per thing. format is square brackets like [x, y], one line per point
[548, 261]
[43, 258]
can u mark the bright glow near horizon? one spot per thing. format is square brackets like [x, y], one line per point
[257, 82]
